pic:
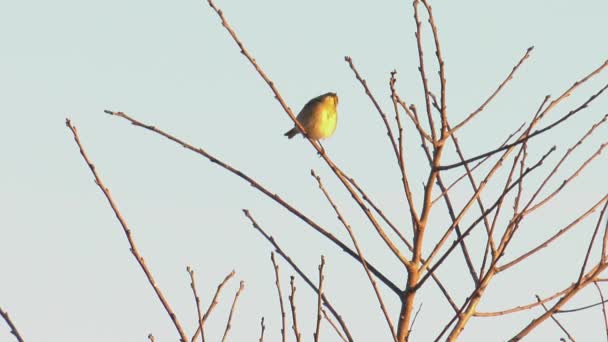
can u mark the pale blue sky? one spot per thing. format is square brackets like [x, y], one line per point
[66, 271]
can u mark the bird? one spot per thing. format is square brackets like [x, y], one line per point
[319, 117]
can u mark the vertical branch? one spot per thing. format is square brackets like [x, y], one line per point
[232, 309]
[360, 252]
[127, 231]
[595, 231]
[306, 279]
[262, 328]
[599, 290]
[11, 325]
[212, 305]
[319, 299]
[197, 301]
[278, 284]
[442, 79]
[425, 85]
[292, 301]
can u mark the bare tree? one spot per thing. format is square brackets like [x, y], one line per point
[520, 188]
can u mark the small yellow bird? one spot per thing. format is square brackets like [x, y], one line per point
[319, 117]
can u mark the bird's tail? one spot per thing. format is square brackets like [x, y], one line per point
[291, 133]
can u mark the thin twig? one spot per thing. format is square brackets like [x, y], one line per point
[592, 240]
[554, 124]
[292, 302]
[554, 237]
[127, 231]
[263, 190]
[556, 321]
[11, 325]
[493, 95]
[319, 299]
[360, 252]
[333, 325]
[263, 328]
[302, 275]
[335, 169]
[425, 83]
[442, 78]
[414, 320]
[213, 303]
[229, 322]
[557, 166]
[197, 300]
[599, 290]
[277, 282]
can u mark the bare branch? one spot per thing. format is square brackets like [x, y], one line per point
[360, 252]
[263, 328]
[319, 299]
[286, 257]
[213, 303]
[263, 190]
[333, 325]
[549, 127]
[554, 237]
[493, 95]
[11, 325]
[292, 302]
[229, 322]
[197, 301]
[278, 285]
[561, 326]
[127, 231]
[599, 290]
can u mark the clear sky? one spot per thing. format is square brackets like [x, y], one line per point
[66, 273]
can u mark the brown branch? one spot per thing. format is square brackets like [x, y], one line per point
[197, 301]
[278, 285]
[557, 166]
[360, 252]
[556, 321]
[212, 305]
[319, 299]
[292, 302]
[425, 83]
[369, 94]
[409, 110]
[127, 231]
[461, 177]
[599, 290]
[263, 328]
[333, 325]
[523, 307]
[401, 156]
[554, 237]
[260, 188]
[379, 211]
[589, 277]
[229, 322]
[540, 131]
[442, 79]
[335, 169]
[592, 240]
[474, 224]
[569, 179]
[302, 275]
[493, 95]
[11, 325]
